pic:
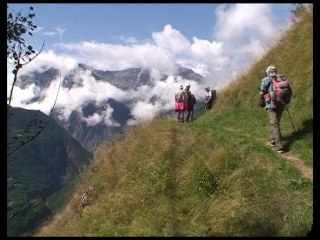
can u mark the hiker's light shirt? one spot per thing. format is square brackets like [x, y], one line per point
[180, 96]
[265, 86]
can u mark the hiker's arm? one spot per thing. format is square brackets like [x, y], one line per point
[264, 86]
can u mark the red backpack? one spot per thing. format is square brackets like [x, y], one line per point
[281, 90]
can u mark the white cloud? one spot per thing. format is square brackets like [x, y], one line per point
[50, 33]
[21, 97]
[242, 24]
[129, 40]
[105, 117]
[88, 91]
[241, 20]
[49, 58]
[171, 39]
[60, 32]
[93, 119]
[202, 48]
[145, 110]
[117, 57]
[108, 120]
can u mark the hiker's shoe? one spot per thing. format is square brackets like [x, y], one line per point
[271, 143]
[281, 150]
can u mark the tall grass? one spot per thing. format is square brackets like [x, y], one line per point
[210, 177]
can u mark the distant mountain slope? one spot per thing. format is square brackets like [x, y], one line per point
[39, 168]
[91, 136]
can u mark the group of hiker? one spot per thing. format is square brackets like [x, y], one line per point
[185, 100]
[275, 93]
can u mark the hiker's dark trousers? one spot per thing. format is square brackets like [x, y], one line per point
[189, 114]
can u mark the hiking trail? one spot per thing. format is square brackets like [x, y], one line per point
[306, 171]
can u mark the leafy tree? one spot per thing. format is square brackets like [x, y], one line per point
[19, 53]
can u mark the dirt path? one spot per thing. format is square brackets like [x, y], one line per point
[306, 171]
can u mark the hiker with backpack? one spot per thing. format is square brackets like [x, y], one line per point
[180, 106]
[191, 101]
[210, 98]
[276, 92]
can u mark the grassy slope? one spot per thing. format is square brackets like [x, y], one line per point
[211, 177]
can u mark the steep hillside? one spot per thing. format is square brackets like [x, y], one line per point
[214, 176]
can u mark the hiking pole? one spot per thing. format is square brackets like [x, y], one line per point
[294, 129]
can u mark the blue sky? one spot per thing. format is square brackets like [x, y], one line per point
[116, 23]
[218, 41]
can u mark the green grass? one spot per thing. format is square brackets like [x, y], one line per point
[210, 177]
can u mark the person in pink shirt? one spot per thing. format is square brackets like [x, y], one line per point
[180, 106]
